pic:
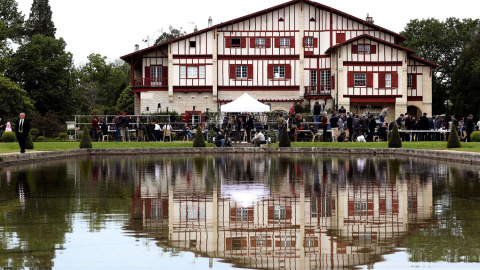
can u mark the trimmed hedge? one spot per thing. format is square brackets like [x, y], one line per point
[86, 142]
[29, 142]
[284, 139]
[199, 140]
[9, 136]
[394, 141]
[453, 140]
[475, 136]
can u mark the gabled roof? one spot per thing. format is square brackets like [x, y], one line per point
[259, 13]
[409, 51]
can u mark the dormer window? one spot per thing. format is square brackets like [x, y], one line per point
[236, 42]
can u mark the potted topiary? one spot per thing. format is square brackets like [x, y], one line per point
[453, 140]
[199, 140]
[475, 136]
[86, 141]
[284, 139]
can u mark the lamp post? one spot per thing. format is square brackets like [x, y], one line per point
[159, 107]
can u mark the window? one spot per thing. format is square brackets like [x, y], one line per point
[388, 80]
[236, 243]
[236, 42]
[259, 41]
[364, 48]
[285, 42]
[156, 75]
[313, 77]
[360, 79]
[278, 72]
[192, 72]
[361, 208]
[242, 214]
[241, 72]
[308, 42]
[193, 44]
[325, 81]
[409, 81]
[279, 212]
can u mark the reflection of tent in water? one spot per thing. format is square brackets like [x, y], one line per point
[246, 194]
[245, 103]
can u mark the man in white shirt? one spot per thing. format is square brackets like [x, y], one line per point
[258, 139]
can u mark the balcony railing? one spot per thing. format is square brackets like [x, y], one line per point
[150, 82]
[318, 90]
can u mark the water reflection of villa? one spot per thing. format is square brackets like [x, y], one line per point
[319, 215]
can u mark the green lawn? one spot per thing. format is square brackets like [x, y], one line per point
[53, 146]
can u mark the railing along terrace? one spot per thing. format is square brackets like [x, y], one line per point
[150, 82]
[318, 90]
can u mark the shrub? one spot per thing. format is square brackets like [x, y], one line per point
[29, 142]
[272, 135]
[40, 139]
[475, 136]
[394, 141]
[86, 142]
[34, 132]
[199, 140]
[453, 140]
[9, 136]
[284, 139]
[63, 136]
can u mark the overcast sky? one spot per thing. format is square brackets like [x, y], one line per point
[113, 27]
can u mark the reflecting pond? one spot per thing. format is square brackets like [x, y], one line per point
[255, 211]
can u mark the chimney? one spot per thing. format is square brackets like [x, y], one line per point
[137, 47]
[210, 21]
[369, 19]
[195, 29]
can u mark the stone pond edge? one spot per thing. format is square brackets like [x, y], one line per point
[446, 155]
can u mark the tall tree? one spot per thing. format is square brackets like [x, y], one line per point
[11, 28]
[172, 34]
[100, 84]
[43, 68]
[126, 101]
[466, 81]
[40, 20]
[16, 99]
[440, 42]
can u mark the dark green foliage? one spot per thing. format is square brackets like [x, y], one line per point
[29, 142]
[475, 136]
[284, 139]
[8, 136]
[86, 141]
[40, 139]
[394, 141]
[40, 20]
[453, 140]
[63, 136]
[199, 140]
[126, 100]
[16, 98]
[272, 135]
[49, 124]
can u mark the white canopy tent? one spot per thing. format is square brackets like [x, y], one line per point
[245, 103]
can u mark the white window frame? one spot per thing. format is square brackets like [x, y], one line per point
[156, 75]
[260, 41]
[364, 48]
[242, 214]
[279, 72]
[308, 42]
[388, 79]
[279, 212]
[285, 42]
[360, 79]
[313, 78]
[241, 72]
[192, 72]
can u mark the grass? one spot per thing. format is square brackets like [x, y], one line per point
[56, 146]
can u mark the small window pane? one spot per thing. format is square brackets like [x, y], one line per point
[285, 42]
[183, 72]
[241, 72]
[308, 42]
[192, 72]
[279, 71]
[360, 79]
[201, 72]
[236, 42]
[409, 81]
[260, 41]
[388, 80]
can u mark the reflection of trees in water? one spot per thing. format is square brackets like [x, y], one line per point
[456, 237]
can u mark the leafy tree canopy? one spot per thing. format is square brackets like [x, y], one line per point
[440, 42]
[14, 98]
[126, 100]
[172, 34]
[43, 68]
[11, 21]
[40, 20]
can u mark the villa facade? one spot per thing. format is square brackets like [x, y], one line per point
[297, 52]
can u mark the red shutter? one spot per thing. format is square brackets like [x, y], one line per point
[373, 49]
[268, 42]
[340, 37]
[233, 214]
[233, 74]
[395, 79]
[228, 243]
[271, 210]
[164, 75]
[147, 75]
[332, 83]
[270, 71]
[292, 42]
[382, 206]
[315, 42]
[250, 71]
[288, 212]
[351, 208]
[288, 71]
[243, 42]
[381, 80]
[351, 79]
[354, 48]
[250, 214]
[277, 42]
[228, 42]
[414, 81]
[369, 79]
[252, 42]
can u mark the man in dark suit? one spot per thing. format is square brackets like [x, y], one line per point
[22, 128]
[249, 125]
